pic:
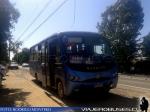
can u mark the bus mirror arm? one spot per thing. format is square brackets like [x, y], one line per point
[59, 65]
[64, 59]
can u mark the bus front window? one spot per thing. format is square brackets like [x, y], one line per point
[99, 49]
[86, 50]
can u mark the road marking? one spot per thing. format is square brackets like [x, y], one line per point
[134, 87]
[135, 78]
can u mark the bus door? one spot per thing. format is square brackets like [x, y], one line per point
[43, 65]
[55, 64]
[52, 53]
[46, 66]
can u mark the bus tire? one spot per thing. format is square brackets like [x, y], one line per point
[60, 90]
[105, 91]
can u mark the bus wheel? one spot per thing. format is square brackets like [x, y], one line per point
[105, 91]
[60, 90]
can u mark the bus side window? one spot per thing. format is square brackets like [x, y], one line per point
[36, 53]
[39, 53]
[57, 53]
[52, 51]
[33, 54]
[43, 53]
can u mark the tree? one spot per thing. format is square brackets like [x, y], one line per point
[22, 57]
[14, 46]
[146, 45]
[121, 24]
[8, 17]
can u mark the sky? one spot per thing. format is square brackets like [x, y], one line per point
[87, 14]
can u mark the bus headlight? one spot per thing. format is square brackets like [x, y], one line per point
[74, 78]
[114, 74]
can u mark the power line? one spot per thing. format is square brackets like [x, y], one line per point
[30, 34]
[39, 14]
[74, 18]
[74, 14]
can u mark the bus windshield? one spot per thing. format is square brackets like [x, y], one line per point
[86, 45]
[87, 51]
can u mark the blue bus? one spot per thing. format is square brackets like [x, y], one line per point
[73, 61]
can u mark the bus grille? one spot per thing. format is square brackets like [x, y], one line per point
[97, 79]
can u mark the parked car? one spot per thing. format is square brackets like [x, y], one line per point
[0, 79]
[25, 65]
[13, 65]
[2, 73]
[2, 70]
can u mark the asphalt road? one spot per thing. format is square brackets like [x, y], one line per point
[135, 82]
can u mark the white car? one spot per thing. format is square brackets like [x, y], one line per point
[13, 65]
[25, 65]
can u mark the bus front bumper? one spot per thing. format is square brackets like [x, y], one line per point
[73, 86]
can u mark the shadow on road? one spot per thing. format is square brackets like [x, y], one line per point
[100, 100]
[38, 83]
[8, 97]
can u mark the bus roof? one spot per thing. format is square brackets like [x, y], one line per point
[72, 33]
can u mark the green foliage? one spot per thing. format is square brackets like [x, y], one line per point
[4, 55]
[14, 45]
[8, 17]
[22, 57]
[121, 24]
[146, 45]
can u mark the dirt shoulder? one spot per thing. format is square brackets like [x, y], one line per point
[19, 90]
